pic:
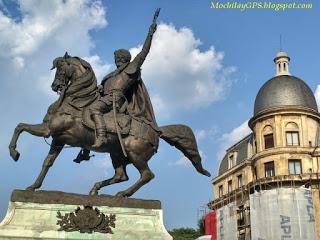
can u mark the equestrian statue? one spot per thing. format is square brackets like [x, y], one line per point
[116, 117]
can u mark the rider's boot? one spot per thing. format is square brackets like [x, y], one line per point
[100, 130]
[83, 155]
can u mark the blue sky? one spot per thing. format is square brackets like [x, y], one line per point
[204, 70]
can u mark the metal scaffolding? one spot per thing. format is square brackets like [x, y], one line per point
[241, 198]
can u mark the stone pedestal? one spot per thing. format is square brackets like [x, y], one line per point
[58, 215]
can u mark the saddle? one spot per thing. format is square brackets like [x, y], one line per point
[127, 125]
[123, 121]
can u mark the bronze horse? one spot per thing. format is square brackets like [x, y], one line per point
[75, 81]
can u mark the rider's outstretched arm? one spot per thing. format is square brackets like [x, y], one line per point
[139, 59]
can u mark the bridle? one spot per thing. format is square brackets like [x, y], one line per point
[64, 85]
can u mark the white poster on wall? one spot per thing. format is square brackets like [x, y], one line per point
[283, 213]
[227, 222]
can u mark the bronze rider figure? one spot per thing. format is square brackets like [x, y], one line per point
[117, 83]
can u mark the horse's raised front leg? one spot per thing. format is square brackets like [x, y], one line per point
[119, 163]
[48, 162]
[40, 130]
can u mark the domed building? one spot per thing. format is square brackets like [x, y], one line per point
[268, 183]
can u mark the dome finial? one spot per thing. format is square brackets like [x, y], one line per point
[282, 63]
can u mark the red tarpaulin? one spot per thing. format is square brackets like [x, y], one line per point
[210, 223]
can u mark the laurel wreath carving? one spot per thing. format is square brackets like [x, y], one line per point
[86, 220]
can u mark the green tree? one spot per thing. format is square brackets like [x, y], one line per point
[201, 227]
[188, 233]
[184, 234]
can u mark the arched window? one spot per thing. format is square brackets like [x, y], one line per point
[268, 137]
[292, 134]
[284, 67]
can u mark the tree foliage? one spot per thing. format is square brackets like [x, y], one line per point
[184, 234]
[188, 233]
[201, 227]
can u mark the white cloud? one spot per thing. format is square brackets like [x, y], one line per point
[201, 134]
[183, 161]
[228, 139]
[44, 84]
[45, 30]
[160, 106]
[103, 163]
[100, 69]
[206, 133]
[65, 23]
[180, 75]
[18, 62]
[317, 95]
[29, 40]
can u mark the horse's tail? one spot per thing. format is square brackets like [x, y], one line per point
[182, 137]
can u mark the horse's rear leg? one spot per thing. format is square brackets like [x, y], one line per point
[40, 130]
[140, 161]
[119, 163]
[48, 162]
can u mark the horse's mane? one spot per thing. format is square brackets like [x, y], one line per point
[84, 84]
[83, 89]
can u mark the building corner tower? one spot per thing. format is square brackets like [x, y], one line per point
[271, 178]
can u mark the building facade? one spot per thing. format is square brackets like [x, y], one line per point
[268, 183]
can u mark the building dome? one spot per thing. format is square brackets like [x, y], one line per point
[281, 54]
[284, 90]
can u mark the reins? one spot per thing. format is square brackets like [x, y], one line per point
[56, 145]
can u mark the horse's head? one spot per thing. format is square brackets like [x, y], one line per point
[67, 69]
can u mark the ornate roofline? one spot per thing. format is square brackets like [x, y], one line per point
[283, 110]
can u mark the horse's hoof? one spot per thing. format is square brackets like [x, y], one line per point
[93, 192]
[122, 194]
[30, 189]
[14, 154]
